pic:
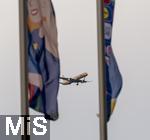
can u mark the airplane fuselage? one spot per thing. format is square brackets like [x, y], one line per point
[77, 79]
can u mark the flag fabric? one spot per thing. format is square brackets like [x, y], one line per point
[43, 58]
[113, 76]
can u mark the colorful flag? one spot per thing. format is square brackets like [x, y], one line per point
[113, 76]
[43, 58]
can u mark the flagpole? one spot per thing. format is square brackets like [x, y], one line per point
[23, 66]
[101, 69]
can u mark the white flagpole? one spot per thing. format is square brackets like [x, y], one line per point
[23, 66]
[101, 69]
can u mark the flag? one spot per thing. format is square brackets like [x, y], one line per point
[113, 76]
[43, 58]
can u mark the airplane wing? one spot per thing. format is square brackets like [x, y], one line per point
[71, 80]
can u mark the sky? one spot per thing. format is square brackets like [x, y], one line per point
[78, 105]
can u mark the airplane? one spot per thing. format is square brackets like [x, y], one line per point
[77, 79]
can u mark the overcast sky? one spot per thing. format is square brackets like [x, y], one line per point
[78, 105]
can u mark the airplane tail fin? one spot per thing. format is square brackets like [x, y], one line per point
[64, 81]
